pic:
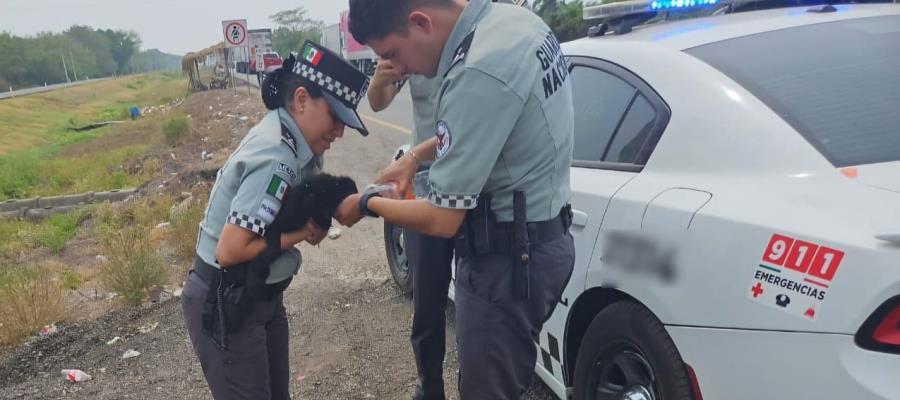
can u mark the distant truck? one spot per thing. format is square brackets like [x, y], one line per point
[337, 38]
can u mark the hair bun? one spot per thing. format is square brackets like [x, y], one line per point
[270, 85]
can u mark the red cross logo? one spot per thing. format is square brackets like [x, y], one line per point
[757, 290]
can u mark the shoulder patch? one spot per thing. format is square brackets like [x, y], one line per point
[288, 139]
[287, 170]
[443, 138]
[461, 51]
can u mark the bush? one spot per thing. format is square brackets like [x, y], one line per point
[30, 297]
[175, 129]
[133, 268]
[70, 279]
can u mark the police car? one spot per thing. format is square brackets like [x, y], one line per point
[736, 199]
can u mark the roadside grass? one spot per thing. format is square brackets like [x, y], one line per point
[51, 233]
[39, 120]
[30, 297]
[38, 157]
[175, 129]
[185, 225]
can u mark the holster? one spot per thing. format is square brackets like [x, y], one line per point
[233, 290]
[481, 235]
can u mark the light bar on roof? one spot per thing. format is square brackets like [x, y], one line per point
[604, 9]
[676, 4]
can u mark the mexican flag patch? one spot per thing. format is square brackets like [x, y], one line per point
[277, 187]
[312, 55]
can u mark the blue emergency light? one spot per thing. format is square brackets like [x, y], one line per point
[677, 4]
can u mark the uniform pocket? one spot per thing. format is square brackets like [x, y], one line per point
[490, 278]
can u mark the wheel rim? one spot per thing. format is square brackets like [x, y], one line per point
[623, 373]
[398, 245]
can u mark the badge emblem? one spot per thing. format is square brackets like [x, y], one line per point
[443, 138]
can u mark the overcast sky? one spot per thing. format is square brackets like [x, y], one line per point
[173, 26]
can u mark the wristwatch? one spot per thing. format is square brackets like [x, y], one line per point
[364, 203]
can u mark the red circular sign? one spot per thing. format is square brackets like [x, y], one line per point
[235, 33]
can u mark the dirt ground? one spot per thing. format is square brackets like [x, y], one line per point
[349, 324]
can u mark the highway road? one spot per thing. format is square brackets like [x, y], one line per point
[40, 89]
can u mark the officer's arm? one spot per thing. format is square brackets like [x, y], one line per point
[381, 93]
[237, 245]
[419, 215]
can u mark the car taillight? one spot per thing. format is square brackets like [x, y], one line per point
[881, 332]
[695, 383]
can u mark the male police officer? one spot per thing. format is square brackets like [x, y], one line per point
[429, 256]
[500, 178]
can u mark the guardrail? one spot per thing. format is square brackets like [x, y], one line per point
[42, 207]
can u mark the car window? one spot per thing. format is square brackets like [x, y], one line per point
[835, 83]
[629, 139]
[600, 100]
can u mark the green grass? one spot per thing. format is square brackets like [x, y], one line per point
[35, 147]
[51, 233]
[41, 119]
[41, 173]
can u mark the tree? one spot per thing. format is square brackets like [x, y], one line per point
[564, 18]
[122, 46]
[293, 28]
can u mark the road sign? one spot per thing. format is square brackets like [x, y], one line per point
[235, 32]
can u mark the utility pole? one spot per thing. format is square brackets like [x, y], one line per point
[65, 70]
[72, 60]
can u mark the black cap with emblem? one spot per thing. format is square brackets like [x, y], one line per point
[344, 86]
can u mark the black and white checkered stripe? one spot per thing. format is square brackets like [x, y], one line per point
[460, 202]
[330, 84]
[247, 222]
[549, 356]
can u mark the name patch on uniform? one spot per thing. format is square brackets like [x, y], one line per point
[443, 137]
[268, 210]
[286, 169]
[554, 65]
[277, 188]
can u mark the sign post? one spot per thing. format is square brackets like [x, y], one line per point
[235, 32]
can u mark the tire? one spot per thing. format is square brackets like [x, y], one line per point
[395, 248]
[626, 354]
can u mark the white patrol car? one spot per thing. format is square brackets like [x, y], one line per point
[736, 191]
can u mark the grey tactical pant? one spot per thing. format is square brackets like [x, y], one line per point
[255, 365]
[430, 259]
[497, 331]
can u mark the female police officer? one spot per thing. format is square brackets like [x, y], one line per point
[312, 99]
[504, 124]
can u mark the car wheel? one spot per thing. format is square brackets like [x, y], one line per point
[395, 246]
[626, 354]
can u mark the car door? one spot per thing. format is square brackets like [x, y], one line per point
[618, 120]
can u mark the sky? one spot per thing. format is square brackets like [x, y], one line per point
[172, 26]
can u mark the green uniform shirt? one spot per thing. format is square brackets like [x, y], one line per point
[250, 186]
[421, 90]
[504, 114]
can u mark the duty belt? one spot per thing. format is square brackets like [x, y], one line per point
[502, 236]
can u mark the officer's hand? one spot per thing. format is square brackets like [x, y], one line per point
[315, 234]
[400, 173]
[387, 73]
[348, 212]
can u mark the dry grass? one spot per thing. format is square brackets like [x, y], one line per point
[183, 233]
[30, 297]
[133, 268]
